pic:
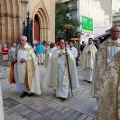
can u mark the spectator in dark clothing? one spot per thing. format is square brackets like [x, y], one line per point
[97, 44]
[82, 46]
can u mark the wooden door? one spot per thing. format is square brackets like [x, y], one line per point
[36, 28]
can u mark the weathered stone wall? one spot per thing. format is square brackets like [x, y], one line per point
[13, 14]
[9, 19]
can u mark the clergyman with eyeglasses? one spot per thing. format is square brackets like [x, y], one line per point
[106, 84]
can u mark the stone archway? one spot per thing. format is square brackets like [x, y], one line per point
[44, 23]
[36, 28]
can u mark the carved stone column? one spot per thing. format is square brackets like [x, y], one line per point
[22, 12]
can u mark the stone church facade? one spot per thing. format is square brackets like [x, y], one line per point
[13, 14]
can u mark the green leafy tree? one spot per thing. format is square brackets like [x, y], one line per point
[60, 17]
[61, 21]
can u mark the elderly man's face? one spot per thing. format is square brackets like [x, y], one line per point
[115, 32]
[22, 41]
[62, 44]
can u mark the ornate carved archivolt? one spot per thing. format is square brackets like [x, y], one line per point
[9, 15]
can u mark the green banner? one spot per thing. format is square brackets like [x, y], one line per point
[87, 24]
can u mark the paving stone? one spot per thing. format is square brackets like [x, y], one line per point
[9, 102]
[59, 108]
[33, 115]
[54, 115]
[43, 118]
[65, 110]
[74, 116]
[89, 111]
[70, 112]
[58, 116]
[45, 109]
[22, 109]
[50, 113]
[13, 116]
[26, 112]
[12, 109]
[51, 105]
[82, 117]
[90, 118]
[16, 108]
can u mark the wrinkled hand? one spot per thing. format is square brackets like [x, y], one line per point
[60, 54]
[22, 60]
[14, 60]
[67, 53]
[89, 52]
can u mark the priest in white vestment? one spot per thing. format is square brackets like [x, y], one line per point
[49, 54]
[103, 57]
[87, 60]
[109, 97]
[57, 73]
[25, 72]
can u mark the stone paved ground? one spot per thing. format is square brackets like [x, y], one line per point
[47, 106]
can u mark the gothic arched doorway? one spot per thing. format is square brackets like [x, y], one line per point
[36, 28]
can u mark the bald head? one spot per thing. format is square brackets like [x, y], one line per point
[23, 40]
[115, 32]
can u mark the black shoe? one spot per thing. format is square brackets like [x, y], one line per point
[24, 94]
[63, 99]
[30, 94]
[77, 65]
[38, 63]
[41, 63]
[89, 82]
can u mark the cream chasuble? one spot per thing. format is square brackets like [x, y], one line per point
[109, 104]
[26, 75]
[57, 73]
[21, 66]
[87, 61]
[104, 55]
[48, 56]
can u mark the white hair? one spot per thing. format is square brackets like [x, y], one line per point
[24, 37]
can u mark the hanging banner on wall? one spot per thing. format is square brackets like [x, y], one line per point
[87, 24]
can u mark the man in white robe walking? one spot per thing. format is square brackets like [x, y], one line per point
[87, 60]
[24, 70]
[57, 76]
[49, 54]
[73, 50]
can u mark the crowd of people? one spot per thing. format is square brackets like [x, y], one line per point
[100, 67]
[41, 48]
